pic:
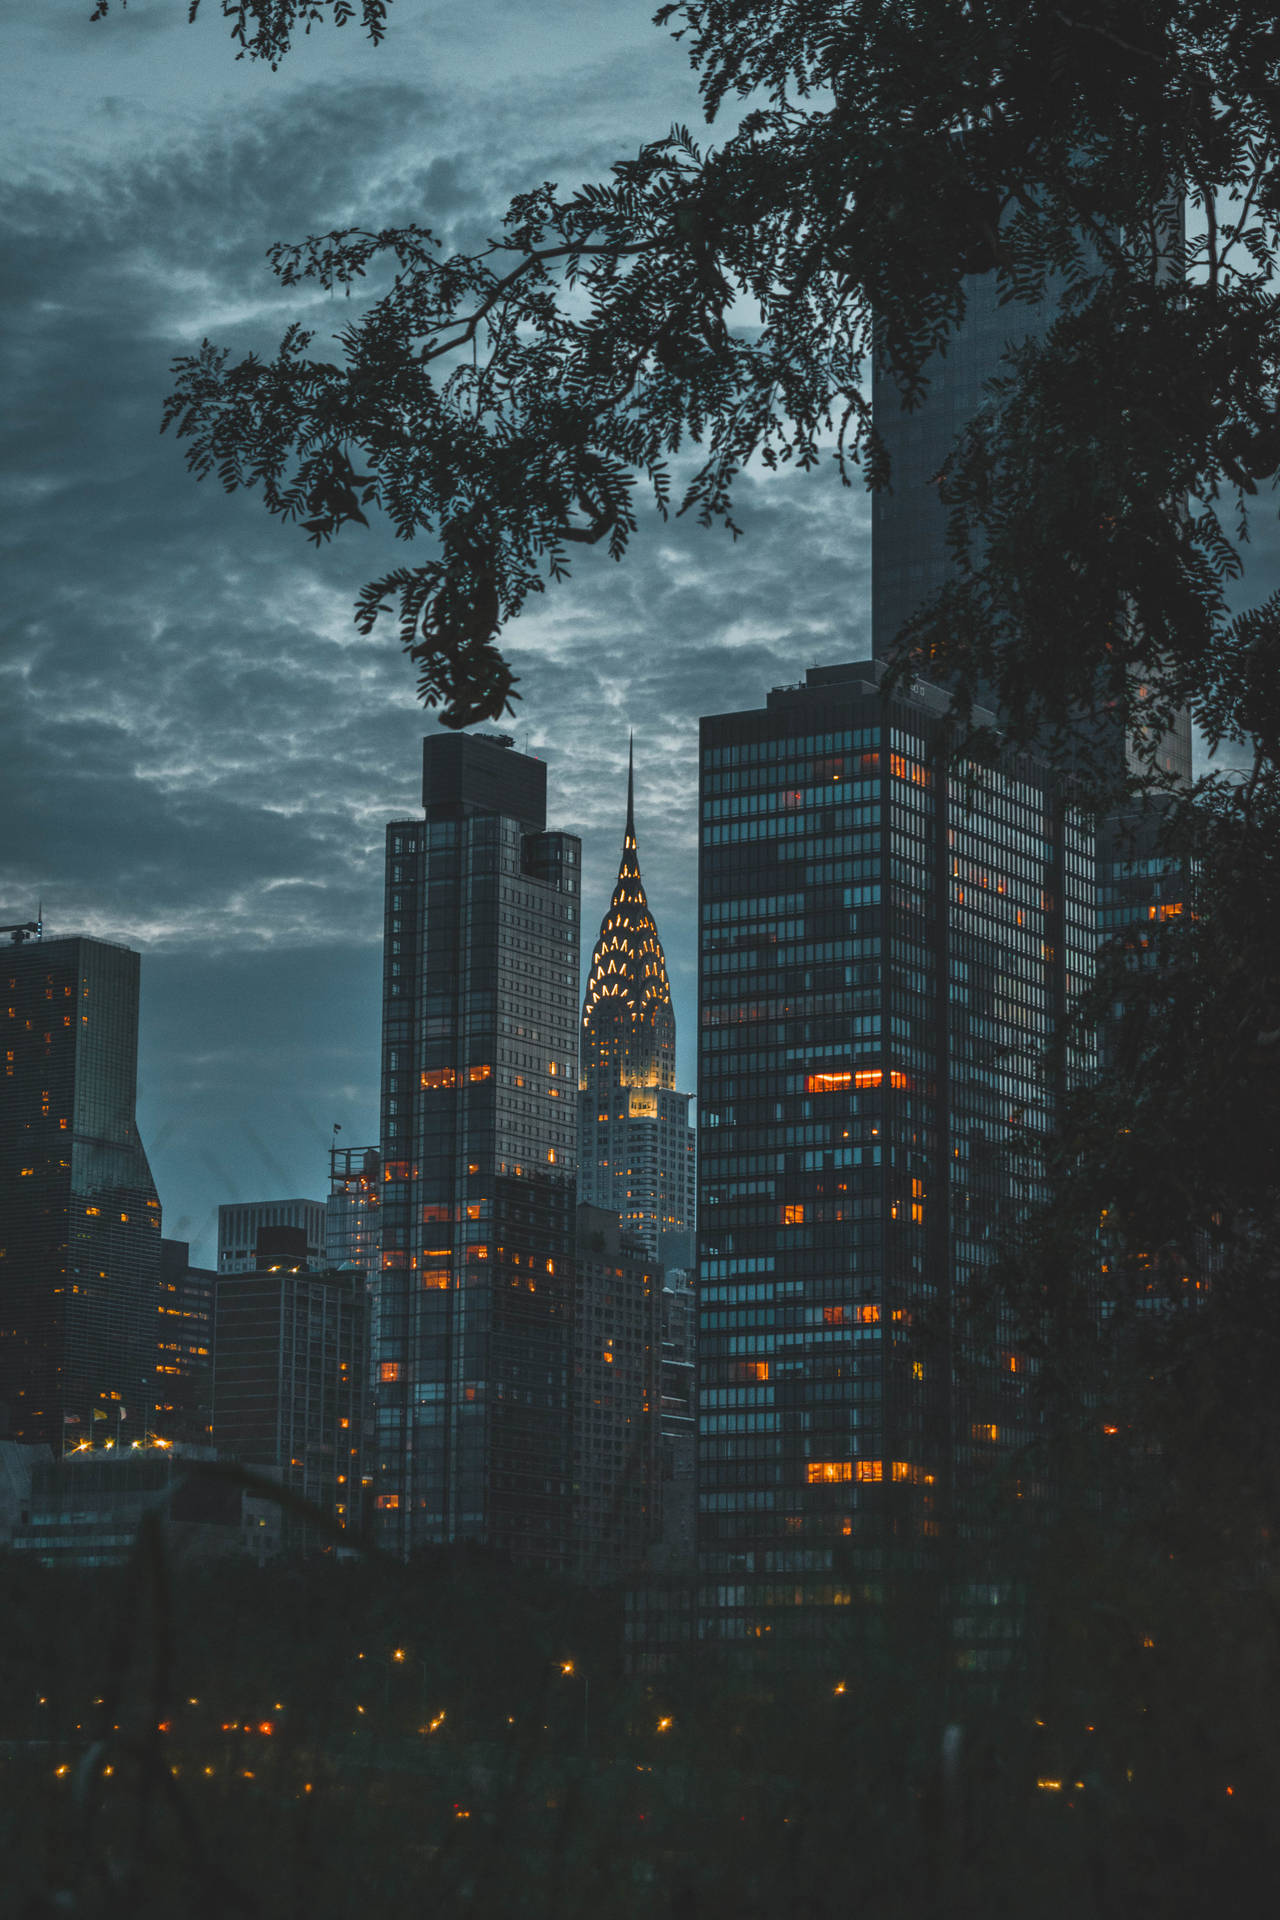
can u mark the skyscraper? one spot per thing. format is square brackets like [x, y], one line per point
[184, 1357]
[909, 557]
[479, 1150]
[885, 943]
[616, 1385]
[290, 1383]
[636, 1146]
[79, 1213]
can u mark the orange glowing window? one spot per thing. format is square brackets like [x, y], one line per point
[751, 1370]
[869, 1470]
[903, 769]
[834, 1316]
[435, 1212]
[95, 1211]
[389, 1370]
[824, 1472]
[793, 1216]
[388, 1502]
[1167, 910]
[869, 1314]
[480, 1252]
[479, 1073]
[473, 1209]
[907, 1470]
[439, 1077]
[983, 1430]
[897, 1079]
[829, 1082]
[438, 1278]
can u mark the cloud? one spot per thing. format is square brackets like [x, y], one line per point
[201, 751]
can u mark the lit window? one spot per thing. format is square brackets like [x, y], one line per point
[388, 1501]
[869, 1314]
[479, 1073]
[821, 1472]
[438, 1278]
[983, 1430]
[389, 1370]
[869, 1470]
[437, 1077]
[793, 1216]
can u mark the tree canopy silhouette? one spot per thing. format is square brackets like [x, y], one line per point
[264, 29]
[729, 301]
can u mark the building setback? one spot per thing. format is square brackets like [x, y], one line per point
[79, 1212]
[479, 1148]
[885, 946]
[636, 1146]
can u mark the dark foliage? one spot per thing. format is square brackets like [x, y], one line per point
[508, 404]
[264, 29]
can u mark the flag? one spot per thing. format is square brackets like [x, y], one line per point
[99, 1413]
[122, 1413]
[71, 1419]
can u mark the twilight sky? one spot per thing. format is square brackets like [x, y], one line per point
[198, 751]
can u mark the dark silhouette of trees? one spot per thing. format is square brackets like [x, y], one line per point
[264, 29]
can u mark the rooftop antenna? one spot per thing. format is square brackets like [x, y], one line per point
[631, 785]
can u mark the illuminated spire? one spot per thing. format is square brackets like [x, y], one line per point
[628, 985]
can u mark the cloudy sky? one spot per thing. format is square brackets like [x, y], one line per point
[199, 752]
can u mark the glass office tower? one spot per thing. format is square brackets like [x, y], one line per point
[884, 947]
[636, 1144]
[79, 1213]
[479, 1161]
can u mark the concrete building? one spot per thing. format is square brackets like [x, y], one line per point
[290, 1387]
[79, 1212]
[240, 1223]
[617, 1353]
[184, 1338]
[479, 1150]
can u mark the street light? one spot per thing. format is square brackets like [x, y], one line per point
[568, 1669]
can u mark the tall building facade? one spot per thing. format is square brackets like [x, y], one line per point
[479, 1151]
[240, 1224]
[79, 1212]
[636, 1148]
[184, 1347]
[885, 944]
[290, 1385]
[617, 1348]
[910, 562]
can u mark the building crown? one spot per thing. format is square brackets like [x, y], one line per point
[628, 968]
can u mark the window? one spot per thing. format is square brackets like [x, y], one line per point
[389, 1370]
[441, 1077]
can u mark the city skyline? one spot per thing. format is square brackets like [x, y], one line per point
[178, 786]
[219, 804]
